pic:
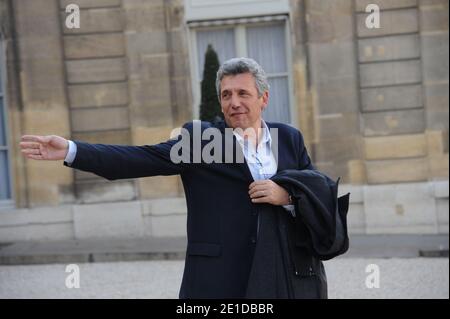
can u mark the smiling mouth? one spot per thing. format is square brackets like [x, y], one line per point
[234, 114]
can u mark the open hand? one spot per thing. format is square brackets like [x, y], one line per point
[49, 147]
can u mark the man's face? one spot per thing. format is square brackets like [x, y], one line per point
[240, 103]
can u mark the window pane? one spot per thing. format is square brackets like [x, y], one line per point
[2, 124]
[222, 41]
[1, 67]
[267, 45]
[278, 108]
[4, 176]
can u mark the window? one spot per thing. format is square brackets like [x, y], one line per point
[263, 39]
[5, 180]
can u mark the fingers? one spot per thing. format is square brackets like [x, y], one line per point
[35, 157]
[259, 200]
[259, 183]
[34, 138]
[29, 145]
[259, 188]
[264, 191]
[31, 151]
[260, 195]
[258, 191]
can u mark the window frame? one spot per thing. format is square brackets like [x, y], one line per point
[6, 203]
[239, 28]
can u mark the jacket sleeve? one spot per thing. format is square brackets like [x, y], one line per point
[304, 161]
[120, 162]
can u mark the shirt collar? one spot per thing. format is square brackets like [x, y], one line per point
[265, 133]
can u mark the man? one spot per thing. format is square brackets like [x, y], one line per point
[224, 200]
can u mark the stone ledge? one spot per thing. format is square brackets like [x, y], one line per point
[440, 189]
[41, 215]
[164, 207]
[151, 248]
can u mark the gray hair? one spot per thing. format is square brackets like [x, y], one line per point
[243, 65]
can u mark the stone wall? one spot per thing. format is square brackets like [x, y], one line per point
[37, 99]
[126, 219]
[97, 86]
[158, 71]
[336, 139]
[121, 78]
[396, 73]
[377, 93]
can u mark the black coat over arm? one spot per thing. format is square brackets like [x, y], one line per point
[287, 260]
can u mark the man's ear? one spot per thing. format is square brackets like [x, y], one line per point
[265, 98]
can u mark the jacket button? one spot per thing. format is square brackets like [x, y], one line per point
[253, 240]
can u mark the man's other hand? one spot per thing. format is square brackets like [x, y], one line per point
[267, 191]
[49, 147]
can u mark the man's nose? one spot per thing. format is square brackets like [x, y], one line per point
[235, 101]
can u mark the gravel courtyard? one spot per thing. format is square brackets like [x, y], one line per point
[398, 278]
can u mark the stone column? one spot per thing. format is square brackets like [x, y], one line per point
[435, 57]
[45, 107]
[152, 91]
[391, 93]
[302, 95]
[334, 82]
[97, 85]
[434, 47]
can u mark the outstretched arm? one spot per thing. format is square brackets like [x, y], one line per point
[108, 161]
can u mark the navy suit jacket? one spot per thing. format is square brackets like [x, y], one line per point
[221, 219]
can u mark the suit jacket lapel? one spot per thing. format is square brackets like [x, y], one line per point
[278, 147]
[236, 147]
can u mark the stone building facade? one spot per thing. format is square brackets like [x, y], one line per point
[372, 104]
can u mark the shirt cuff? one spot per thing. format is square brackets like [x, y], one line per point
[71, 153]
[290, 209]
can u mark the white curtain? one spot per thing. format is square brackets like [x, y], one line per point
[267, 45]
[222, 41]
[278, 108]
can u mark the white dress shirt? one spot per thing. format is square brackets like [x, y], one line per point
[70, 156]
[260, 160]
